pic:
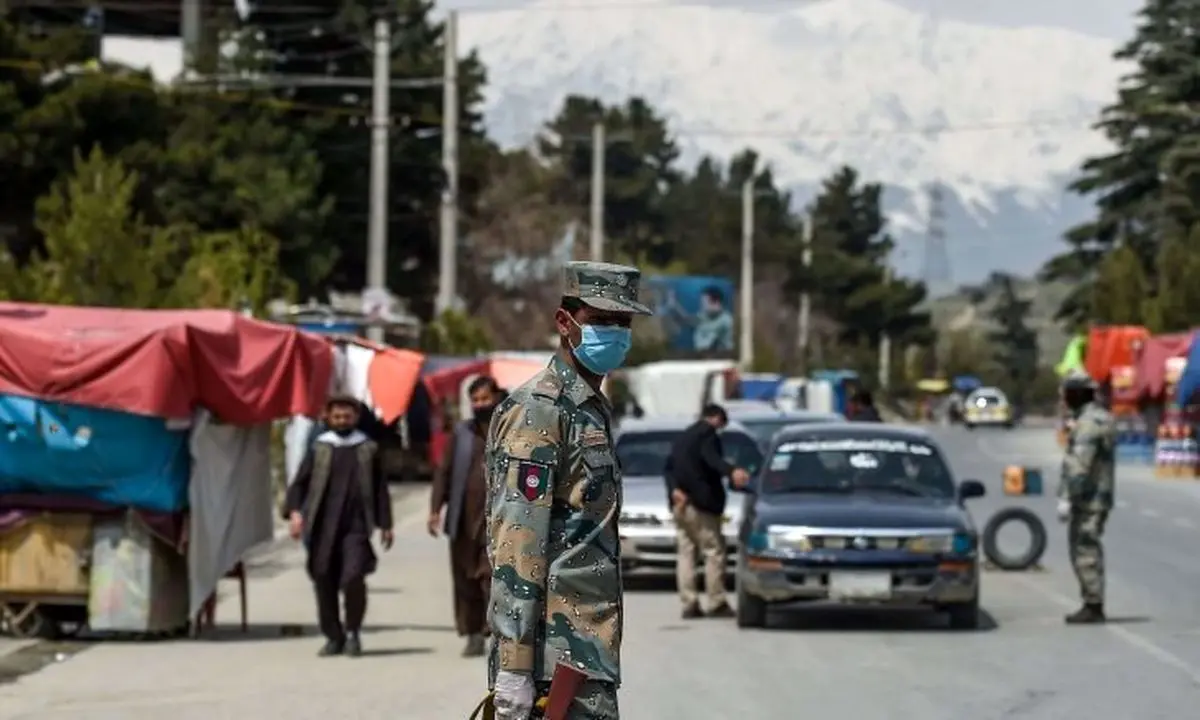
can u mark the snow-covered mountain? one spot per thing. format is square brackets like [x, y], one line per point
[1000, 116]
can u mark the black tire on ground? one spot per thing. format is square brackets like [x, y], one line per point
[1037, 545]
[751, 611]
[964, 616]
[969, 426]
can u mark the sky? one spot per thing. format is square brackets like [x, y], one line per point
[1104, 18]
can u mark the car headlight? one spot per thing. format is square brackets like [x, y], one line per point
[958, 543]
[779, 538]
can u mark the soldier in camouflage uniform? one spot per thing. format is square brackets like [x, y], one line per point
[1085, 492]
[554, 499]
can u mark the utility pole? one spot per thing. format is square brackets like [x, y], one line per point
[885, 343]
[747, 335]
[599, 156]
[448, 245]
[802, 330]
[381, 118]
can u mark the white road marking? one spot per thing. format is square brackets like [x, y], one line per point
[1148, 512]
[1121, 504]
[1164, 656]
[1183, 523]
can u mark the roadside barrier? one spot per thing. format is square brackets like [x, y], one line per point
[1022, 482]
[1019, 561]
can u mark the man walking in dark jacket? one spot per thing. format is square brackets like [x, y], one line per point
[694, 473]
[862, 408]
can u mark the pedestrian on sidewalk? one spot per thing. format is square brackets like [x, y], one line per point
[554, 490]
[458, 507]
[336, 502]
[695, 473]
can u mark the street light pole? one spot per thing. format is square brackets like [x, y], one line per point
[377, 233]
[802, 331]
[448, 238]
[747, 335]
[599, 157]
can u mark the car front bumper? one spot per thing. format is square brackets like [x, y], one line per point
[912, 583]
[652, 550]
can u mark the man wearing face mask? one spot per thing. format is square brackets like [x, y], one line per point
[337, 500]
[458, 506]
[554, 497]
[1085, 492]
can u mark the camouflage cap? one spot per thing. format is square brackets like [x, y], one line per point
[604, 286]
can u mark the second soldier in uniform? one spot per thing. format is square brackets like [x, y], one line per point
[554, 501]
[1085, 492]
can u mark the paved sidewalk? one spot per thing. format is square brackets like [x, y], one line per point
[411, 668]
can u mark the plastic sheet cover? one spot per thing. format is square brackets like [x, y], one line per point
[113, 457]
[231, 499]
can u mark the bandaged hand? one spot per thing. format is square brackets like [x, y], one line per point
[1064, 510]
[514, 695]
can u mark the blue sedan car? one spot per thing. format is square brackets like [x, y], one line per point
[858, 513]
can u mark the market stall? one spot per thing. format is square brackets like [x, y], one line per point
[135, 458]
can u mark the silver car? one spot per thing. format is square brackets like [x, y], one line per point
[647, 527]
[763, 423]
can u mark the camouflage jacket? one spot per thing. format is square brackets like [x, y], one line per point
[554, 497]
[1087, 469]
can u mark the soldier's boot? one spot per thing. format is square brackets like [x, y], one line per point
[332, 648]
[475, 646]
[691, 612]
[1089, 614]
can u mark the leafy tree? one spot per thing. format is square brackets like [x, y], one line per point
[228, 165]
[52, 103]
[1176, 306]
[1015, 343]
[1150, 118]
[231, 269]
[1119, 289]
[640, 160]
[97, 251]
[849, 271]
[336, 42]
[454, 333]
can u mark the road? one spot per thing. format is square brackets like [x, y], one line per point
[871, 666]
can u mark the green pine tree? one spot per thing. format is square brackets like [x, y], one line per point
[1152, 115]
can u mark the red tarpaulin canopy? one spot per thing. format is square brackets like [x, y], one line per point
[163, 363]
[1152, 363]
[1109, 347]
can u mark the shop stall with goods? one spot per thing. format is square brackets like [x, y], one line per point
[135, 463]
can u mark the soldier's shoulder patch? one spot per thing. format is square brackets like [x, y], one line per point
[593, 437]
[533, 479]
[546, 384]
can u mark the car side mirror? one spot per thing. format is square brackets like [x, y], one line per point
[968, 489]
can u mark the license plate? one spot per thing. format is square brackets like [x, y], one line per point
[860, 586]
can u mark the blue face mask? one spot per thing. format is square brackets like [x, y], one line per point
[602, 348]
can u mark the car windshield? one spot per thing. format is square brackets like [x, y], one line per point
[857, 465]
[646, 453]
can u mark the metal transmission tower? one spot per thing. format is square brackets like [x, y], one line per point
[936, 270]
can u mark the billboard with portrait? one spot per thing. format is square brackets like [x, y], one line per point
[695, 312]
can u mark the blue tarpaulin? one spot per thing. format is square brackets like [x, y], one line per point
[966, 383]
[1189, 381]
[759, 386]
[113, 457]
